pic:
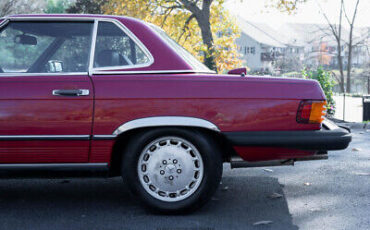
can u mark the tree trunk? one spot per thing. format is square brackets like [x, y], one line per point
[207, 38]
[340, 63]
[350, 45]
[349, 64]
[203, 16]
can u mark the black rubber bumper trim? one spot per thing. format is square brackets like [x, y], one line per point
[335, 139]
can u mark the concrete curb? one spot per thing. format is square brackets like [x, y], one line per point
[354, 125]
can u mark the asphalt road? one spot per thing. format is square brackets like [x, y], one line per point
[337, 196]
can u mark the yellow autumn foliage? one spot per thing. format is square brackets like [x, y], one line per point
[173, 20]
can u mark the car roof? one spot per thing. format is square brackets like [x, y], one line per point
[165, 58]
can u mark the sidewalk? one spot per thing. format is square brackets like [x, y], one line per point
[351, 125]
[353, 108]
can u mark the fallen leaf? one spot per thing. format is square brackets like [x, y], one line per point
[307, 183]
[225, 188]
[275, 195]
[262, 222]
[268, 170]
[356, 149]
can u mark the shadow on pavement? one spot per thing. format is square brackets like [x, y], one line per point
[106, 204]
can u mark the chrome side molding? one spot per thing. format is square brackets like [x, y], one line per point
[43, 137]
[55, 166]
[165, 121]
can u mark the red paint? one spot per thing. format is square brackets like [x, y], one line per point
[101, 151]
[238, 71]
[256, 153]
[43, 151]
[29, 108]
[232, 103]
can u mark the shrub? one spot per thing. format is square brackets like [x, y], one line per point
[326, 81]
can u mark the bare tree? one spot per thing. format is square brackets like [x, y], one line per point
[8, 7]
[336, 30]
[351, 23]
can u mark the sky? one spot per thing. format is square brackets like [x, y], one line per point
[309, 12]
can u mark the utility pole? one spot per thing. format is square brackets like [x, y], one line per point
[344, 104]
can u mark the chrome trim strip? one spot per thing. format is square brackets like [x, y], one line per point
[165, 121]
[63, 17]
[43, 137]
[134, 39]
[43, 74]
[60, 166]
[103, 137]
[92, 48]
[4, 23]
[145, 72]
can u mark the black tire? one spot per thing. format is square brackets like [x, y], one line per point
[212, 163]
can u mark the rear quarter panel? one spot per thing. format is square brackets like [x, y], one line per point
[232, 103]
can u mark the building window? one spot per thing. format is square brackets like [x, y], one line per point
[253, 50]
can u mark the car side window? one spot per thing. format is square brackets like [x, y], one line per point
[115, 49]
[19, 50]
[45, 47]
[72, 55]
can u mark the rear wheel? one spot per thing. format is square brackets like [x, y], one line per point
[171, 169]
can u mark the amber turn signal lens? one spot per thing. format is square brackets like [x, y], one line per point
[311, 111]
[318, 111]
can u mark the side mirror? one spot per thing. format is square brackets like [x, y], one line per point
[25, 40]
[239, 71]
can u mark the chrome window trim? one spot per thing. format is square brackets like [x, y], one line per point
[10, 18]
[43, 74]
[64, 17]
[105, 70]
[145, 72]
[161, 121]
[4, 23]
[94, 36]
[92, 46]
[134, 39]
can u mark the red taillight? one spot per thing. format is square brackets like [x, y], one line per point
[311, 111]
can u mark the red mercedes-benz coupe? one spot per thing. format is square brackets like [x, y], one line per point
[89, 92]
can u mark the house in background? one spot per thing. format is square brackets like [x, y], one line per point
[266, 50]
[293, 45]
[257, 47]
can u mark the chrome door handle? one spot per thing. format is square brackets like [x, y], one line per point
[71, 92]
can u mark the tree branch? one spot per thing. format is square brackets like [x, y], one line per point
[191, 6]
[186, 26]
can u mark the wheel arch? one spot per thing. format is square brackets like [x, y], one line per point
[124, 132]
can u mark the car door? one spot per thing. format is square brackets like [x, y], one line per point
[46, 96]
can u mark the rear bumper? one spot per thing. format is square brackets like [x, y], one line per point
[330, 137]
